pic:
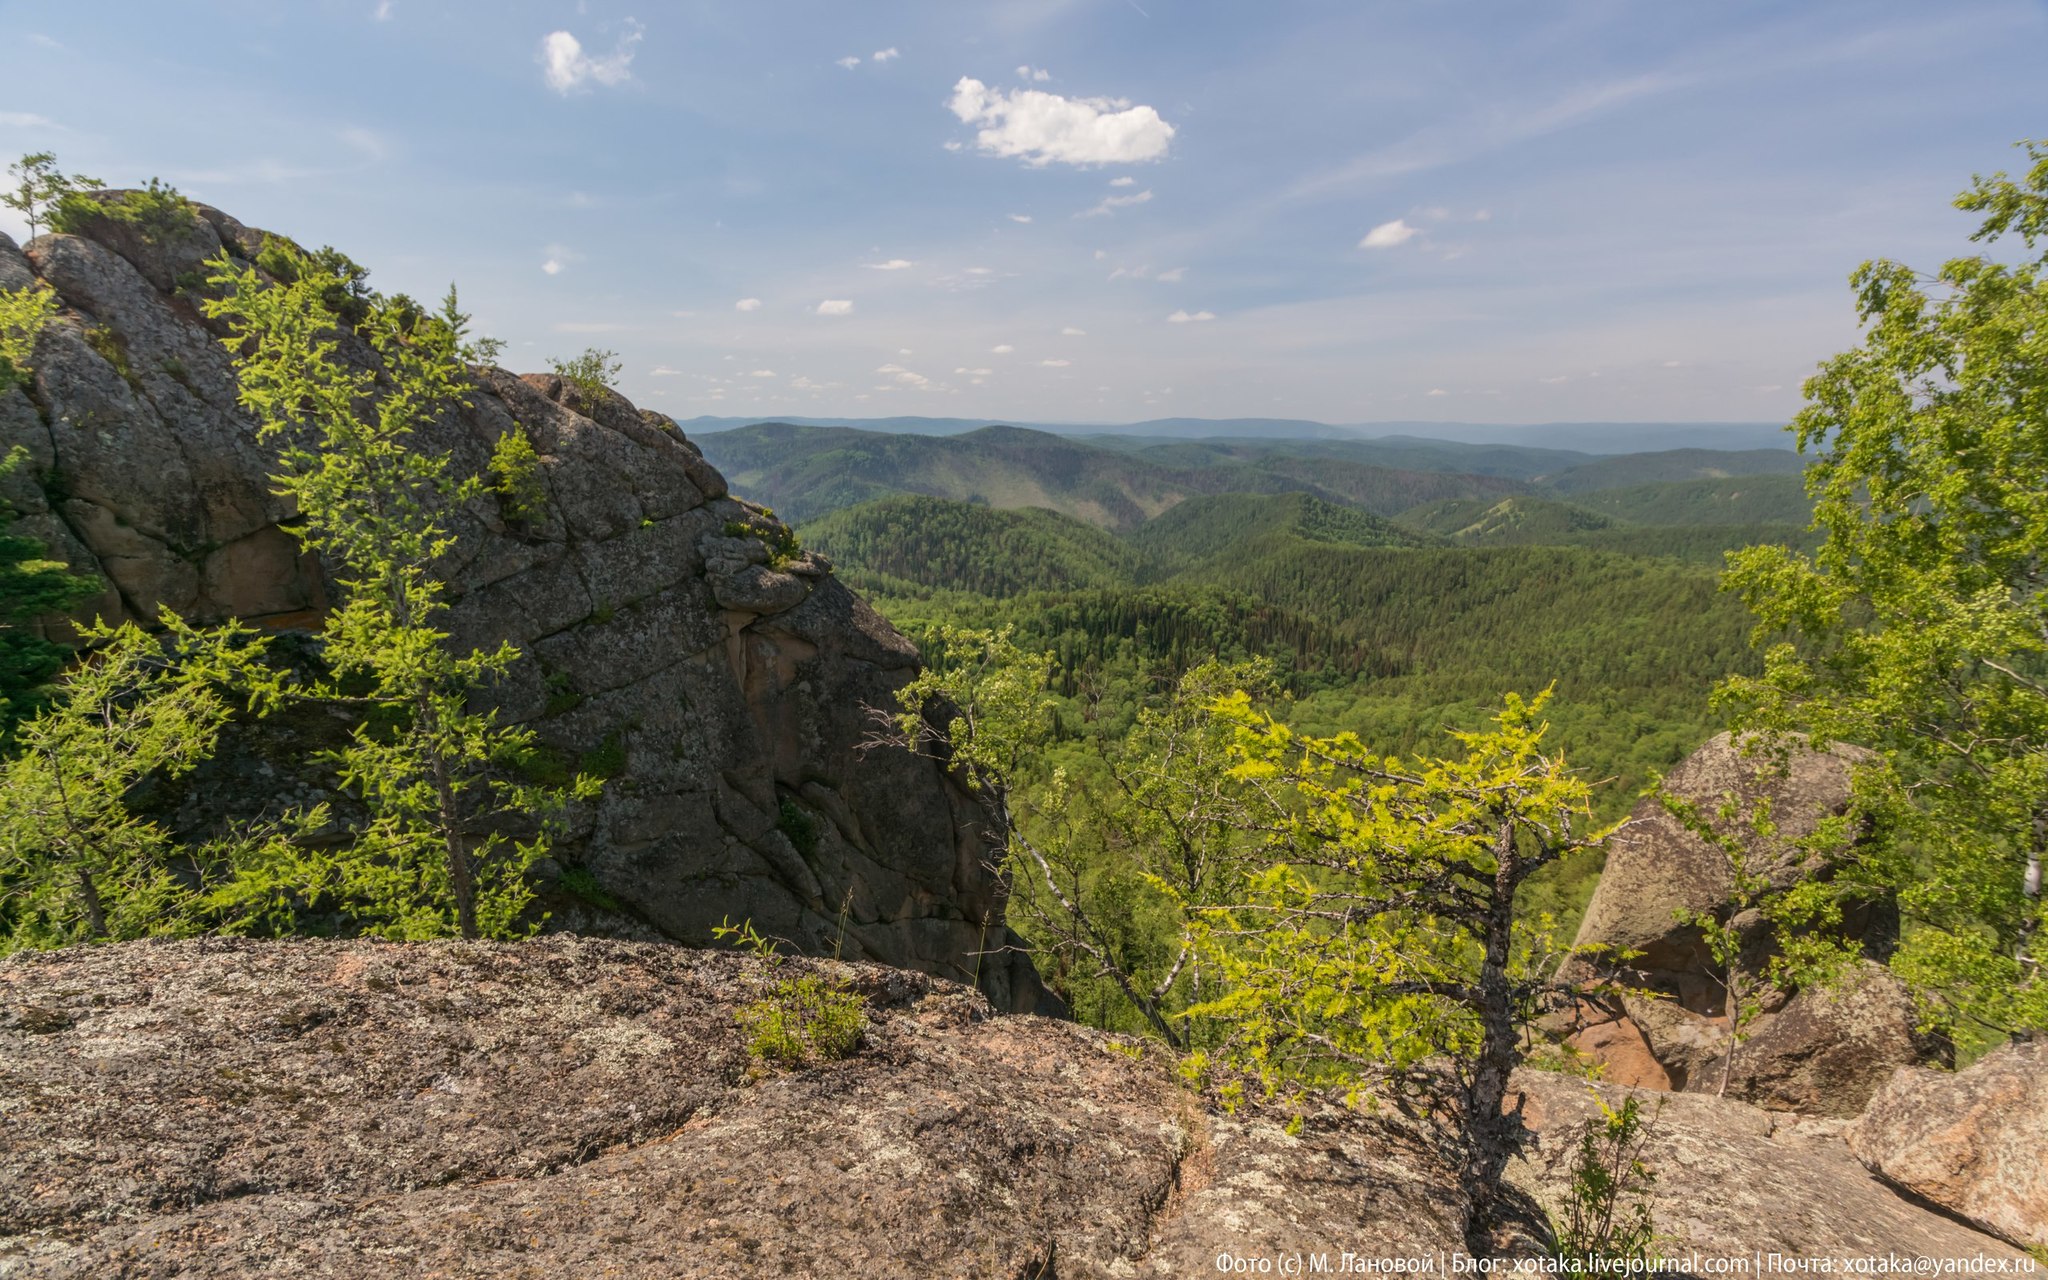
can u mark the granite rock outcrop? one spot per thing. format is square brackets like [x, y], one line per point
[672, 636]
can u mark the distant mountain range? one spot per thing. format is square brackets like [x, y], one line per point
[1581, 437]
[806, 472]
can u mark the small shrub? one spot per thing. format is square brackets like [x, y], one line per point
[783, 545]
[607, 759]
[114, 351]
[515, 468]
[157, 212]
[24, 314]
[796, 822]
[348, 295]
[801, 1019]
[545, 766]
[588, 374]
[579, 881]
[562, 695]
[1606, 1218]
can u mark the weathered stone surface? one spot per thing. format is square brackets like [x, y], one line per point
[732, 695]
[570, 1107]
[1974, 1141]
[567, 1107]
[1734, 1180]
[1656, 867]
[1662, 1021]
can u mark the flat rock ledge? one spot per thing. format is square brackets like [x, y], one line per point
[575, 1107]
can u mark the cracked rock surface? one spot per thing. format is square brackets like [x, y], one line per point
[723, 686]
[569, 1107]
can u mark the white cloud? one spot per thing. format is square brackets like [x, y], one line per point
[1188, 317]
[1055, 364]
[981, 271]
[975, 373]
[905, 376]
[884, 55]
[1071, 332]
[761, 373]
[835, 307]
[747, 304]
[26, 120]
[1039, 74]
[1111, 204]
[1560, 378]
[893, 264]
[553, 266]
[663, 371]
[589, 328]
[1044, 127]
[1437, 391]
[1126, 181]
[1484, 215]
[1020, 217]
[1001, 350]
[850, 61]
[1674, 364]
[1388, 234]
[1174, 276]
[383, 13]
[567, 68]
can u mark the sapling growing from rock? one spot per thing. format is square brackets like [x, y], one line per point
[439, 777]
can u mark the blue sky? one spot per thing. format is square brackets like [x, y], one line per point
[1084, 210]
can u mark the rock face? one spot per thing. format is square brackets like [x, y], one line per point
[1663, 1023]
[573, 1107]
[670, 637]
[1733, 1180]
[1974, 1142]
[568, 1107]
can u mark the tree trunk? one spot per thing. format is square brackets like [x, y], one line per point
[95, 910]
[1489, 1135]
[461, 879]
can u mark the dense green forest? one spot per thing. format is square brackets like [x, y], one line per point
[808, 472]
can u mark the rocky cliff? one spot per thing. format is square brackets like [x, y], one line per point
[568, 1107]
[1662, 1020]
[669, 639]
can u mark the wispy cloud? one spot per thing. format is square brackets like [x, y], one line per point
[1478, 133]
[850, 61]
[1111, 204]
[1040, 74]
[1190, 317]
[1020, 217]
[836, 307]
[747, 304]
[568, 69]
[1174, 276]
[26, 120]
[887, 55]
[893, 264]
[1045, 127]
[1055, 363]
[581, 327]
[1001, 349]
[1071, 332]
[1388, 234]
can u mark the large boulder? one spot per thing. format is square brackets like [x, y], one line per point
[1661, 1019]
[1973, 1141]
[725, 691]
[1734, 1181]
